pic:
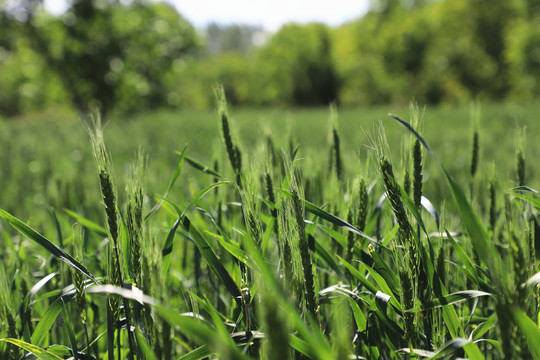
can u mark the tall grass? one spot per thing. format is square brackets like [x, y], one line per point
[265, 256]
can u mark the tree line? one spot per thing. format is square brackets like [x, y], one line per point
[145, 55]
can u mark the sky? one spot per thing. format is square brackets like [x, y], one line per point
[271, 14]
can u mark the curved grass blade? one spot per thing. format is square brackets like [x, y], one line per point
[533, 280]
[233, 248]
[530, 330]
[496, 344]
[483, 327]
[212, 260]
[70, 332]
[89, 224]
[470, 269]
[40, 353]
[216, 319]
[342, 239]
[456, 344]
[430, 209]
[133, 293]
[41, 283]
[530, 199]
[327, 258]
[144, 347]
[358, 275]
[411, 129]
[45, 324]
[315, 210]
[41, 240]
[199, 353]
[205, 169]
[413, 209]
[525, 188]
[334, 291]
[358, 314]
[302, 347]
[193, 327]
[380, 266]
[167, 247]
[166, 250]
[450, 299]
[417, 352]
[174, 177]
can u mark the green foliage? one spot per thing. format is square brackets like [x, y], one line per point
[296, 67]
[125, 58]
[106, 55]
[214, 276]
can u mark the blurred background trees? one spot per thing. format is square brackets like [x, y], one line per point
[131, 56]
[97, 54]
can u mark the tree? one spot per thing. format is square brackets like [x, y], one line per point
[296, 67]
[107, 55]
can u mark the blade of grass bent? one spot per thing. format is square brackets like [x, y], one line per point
[167, 247]
[450, 299]
[45, 324]
[40, 353]
[144, 347]
[315, 210]
[530, 330]
[89, 224]
[199, 353]
[48, 245]
[174, 177]
[70, 332]
[205, 169]
[213, 261]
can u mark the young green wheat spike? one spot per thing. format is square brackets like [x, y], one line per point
[235, 156]
[475, 117]
[311, 300]
[135, 197]
[363, 207]
[417, 157]
[336, 141]
[520, 157]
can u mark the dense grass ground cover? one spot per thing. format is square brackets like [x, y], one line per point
[284, 253]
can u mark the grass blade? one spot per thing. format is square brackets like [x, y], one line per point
[530, 330]
[205, 169]
[213, 261]
[199, 353]
[45, 324]
[166, 249]
[450, 299]
[40, 353]
[41, 240]
[89, 224]
[145, 348]
[174, 177]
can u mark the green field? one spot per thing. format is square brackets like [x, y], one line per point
[271, 258]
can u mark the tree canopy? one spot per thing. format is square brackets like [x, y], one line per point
[145, 55]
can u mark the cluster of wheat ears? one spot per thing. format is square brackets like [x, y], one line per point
[273, 260]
